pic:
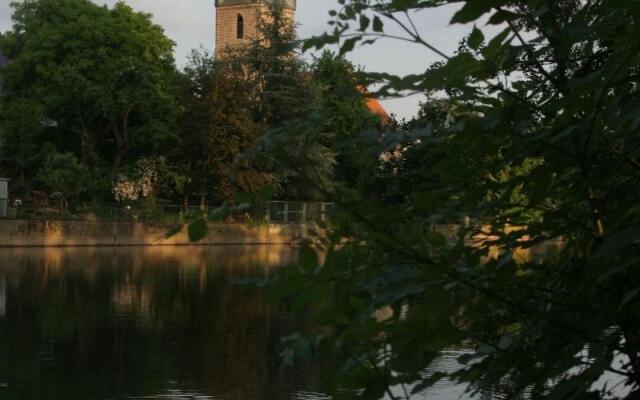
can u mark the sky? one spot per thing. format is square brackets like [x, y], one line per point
[190, 23]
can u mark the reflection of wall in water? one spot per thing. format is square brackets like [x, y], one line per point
[143, 316]
[3, 295]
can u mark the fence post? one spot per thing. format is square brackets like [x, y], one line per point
[304, 213]
[268, 212]
[286, 211]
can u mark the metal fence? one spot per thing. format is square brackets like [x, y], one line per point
[4, 197]
[292, 212]
[278, 212]
[167, 213]
[127, 213]
[110, 212]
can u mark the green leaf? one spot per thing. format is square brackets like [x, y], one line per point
[456, 72]
[308, 258]
[618, 243]
[198, 230]
[173, 231]
[243, 197]
[436, 238]
[341, 319]
[476, 38]
[502, 16]
[220, 214]
[474, 9]
[630, 295]
[364, 22]
[428, 382]
[469, 357]
[349, 44]
[495, 45]
[302, 349]
[378, 25]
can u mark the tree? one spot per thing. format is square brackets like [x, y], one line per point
[344, 116]
[102, 78]
[217, 129]
[292, 143]
[545, 131]
[65, 176]
[21, 135]
[291, 146]
[278, 72]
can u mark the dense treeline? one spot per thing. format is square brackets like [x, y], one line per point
[95, 110]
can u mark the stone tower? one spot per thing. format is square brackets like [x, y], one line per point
[237, 20]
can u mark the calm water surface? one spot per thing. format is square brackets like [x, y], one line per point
[153, 323]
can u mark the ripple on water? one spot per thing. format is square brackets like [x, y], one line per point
[304, 395]
[177, 395]
[174, 396]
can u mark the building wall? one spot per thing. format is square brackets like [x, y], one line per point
[34, 233]
[226, 24]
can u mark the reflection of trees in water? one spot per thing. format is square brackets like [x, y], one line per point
[504, 390]
[3, 294]
[99, 323]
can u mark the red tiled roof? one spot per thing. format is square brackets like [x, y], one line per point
[376, 108]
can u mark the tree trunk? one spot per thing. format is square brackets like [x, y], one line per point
[87, 142]
[122, 142]
[185, 203]
[62, 205]
[87, 148]
[203, 202]
[117, 161]
[73, 204]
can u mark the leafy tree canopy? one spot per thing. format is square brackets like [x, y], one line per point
[63, 174]
[101, 78]
[218, 129]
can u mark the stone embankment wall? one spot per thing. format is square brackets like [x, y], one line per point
[32, 233]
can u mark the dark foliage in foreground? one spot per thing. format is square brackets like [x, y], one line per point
[532, 135]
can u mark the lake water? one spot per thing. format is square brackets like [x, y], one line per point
[152, 323]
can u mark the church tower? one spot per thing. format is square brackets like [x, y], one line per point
[237, 21]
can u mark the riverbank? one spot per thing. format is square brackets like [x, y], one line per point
[36, 233]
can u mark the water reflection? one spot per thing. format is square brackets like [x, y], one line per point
[145, 323]
[3, 295]
[155, 323]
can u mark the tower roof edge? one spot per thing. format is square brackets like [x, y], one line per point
[224, 3]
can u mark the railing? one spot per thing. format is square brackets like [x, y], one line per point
[111, 212]
[292, 212]
[278, 212]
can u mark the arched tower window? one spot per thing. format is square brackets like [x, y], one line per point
[240, 27]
